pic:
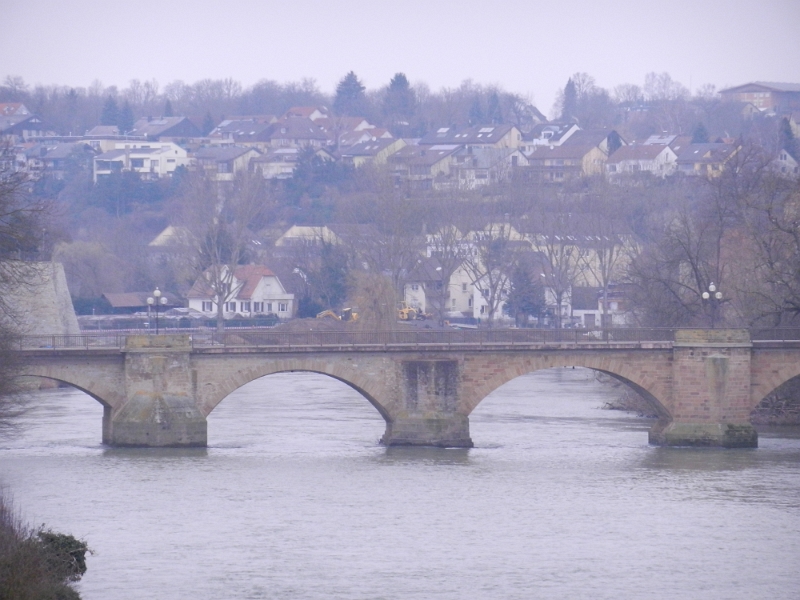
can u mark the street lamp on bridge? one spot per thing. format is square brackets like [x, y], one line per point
[155, 301]
[714, 297]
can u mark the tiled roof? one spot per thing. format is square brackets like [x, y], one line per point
[480, 134]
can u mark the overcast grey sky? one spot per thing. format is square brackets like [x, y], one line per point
[526, 46]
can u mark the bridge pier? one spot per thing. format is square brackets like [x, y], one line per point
[160, 408]
[710, 391]
[428, 407]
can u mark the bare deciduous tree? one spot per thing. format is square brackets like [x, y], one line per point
[217, 219]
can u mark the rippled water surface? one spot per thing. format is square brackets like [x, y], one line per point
[294, 498]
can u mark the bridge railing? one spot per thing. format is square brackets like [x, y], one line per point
[775, 334]
[271, 338]
[424, 337]
[80, 341]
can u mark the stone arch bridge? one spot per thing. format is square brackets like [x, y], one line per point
[158, 390]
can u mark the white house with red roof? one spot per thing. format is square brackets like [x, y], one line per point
[256, 290]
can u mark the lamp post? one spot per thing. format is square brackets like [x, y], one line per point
[713, 296]
[155, 301]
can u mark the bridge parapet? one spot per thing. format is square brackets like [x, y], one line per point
[158, 389]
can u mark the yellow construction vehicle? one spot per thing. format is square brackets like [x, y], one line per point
[406, 312]
[347, 314]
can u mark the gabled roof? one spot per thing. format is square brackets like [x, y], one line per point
[660, 140]
[424, 155]
[484, 158]
[248, 276]
[304, 111]
[480, 134]
[638, 152]
[8, 109]
[222, 153]
[370, 148]
[706, 153]
[299, 128]
[103, 130]
[164, 126]
[554, 133]
[241, 130]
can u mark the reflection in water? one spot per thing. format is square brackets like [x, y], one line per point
[294, 498]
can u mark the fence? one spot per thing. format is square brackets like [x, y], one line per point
[271, 338]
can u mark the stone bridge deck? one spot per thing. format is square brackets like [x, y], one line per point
[158, 390]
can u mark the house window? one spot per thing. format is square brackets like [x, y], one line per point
[269, 306]
[454, 302]
[258, 307]
[208, 306]
[244, 307]
[282, 307]
[470, 302]
[137, 163]
[230, 307]
[415, 287]
[463, 287]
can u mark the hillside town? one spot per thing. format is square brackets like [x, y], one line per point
[489, 215]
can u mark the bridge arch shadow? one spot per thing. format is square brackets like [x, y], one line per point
[779, 405]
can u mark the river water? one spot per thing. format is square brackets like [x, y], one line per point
[294, 498]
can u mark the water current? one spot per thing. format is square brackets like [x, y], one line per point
[295, 499]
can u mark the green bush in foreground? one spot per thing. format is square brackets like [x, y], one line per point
[37, 564]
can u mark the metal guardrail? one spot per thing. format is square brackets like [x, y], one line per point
[270, 338]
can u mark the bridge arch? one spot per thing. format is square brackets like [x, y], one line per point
[652, 381]
[769, 372]
[212, 392]
[106, 390]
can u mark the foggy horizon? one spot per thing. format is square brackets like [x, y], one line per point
[523, 49]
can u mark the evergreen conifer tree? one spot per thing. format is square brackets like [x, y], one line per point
[569, 110]
[125, 118]
[350, 99]
[494, 112]
[700, 134]
[110, 114]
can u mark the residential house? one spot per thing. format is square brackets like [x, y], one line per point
[223, 162]
[256, 290]
[374, 152]
[244, 131]
[21, 126]
[348, 139]
[56, 158]
[295, 132]
[659, 160]
[584, 153]
[308, 112]
[280, 163]
[423, 289]
[155, 129]
[765, 95]
[12, 109]
[334, 233]
[707, 160]
[152, 160]
[547, 134]
[479, 136]
[786, 164]
[477, 167]
[425, 167]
